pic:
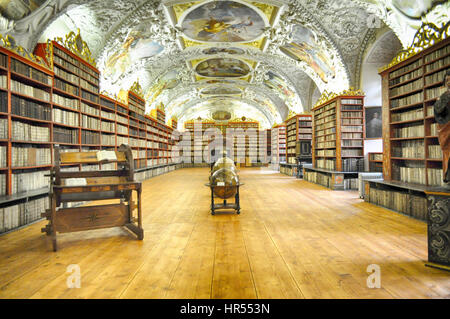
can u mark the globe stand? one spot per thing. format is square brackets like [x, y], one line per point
[225, 205]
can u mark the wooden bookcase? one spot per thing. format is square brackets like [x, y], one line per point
[375, 162]
[278, 143]
[268, 145]
[298, 128]
[410, 89]
[58, 103]
[338, 133]
[244, 148]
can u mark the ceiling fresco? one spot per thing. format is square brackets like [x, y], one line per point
[274, 57]
[222, 68]
[223, 21]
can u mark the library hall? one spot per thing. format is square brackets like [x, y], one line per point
[215, 150]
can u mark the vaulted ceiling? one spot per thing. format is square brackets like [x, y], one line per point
[262, 59]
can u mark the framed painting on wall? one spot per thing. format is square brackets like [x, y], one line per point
[374, 127]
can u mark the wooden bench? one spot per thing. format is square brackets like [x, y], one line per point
[97, 185]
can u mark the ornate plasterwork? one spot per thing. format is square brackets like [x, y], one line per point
[344, 30]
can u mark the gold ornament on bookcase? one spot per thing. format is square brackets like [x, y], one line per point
[9, 43]
[428, 35]
[75, 44]
[114, 97]
[137, 88]
[327, 96]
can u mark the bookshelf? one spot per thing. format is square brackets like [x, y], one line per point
[338, 134]
[409, 91]
[338, 140]
[52, 98]
[278, 144]
[375, 162]
[298, 129]
[245, 146]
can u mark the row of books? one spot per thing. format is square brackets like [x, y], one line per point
[3, 128]
[90, 122]
[353, 165]
[433, 93]
[414, 206]
[326, 144]
[409, 149]
[24, 89]
[3, 157]
[351, 143]
[27, 132]
[304, 136]
[28, 71]
[30, 156]
[326, 164]
[375, 157]
[435, 177]
[351, 136]
[409, 87]
[413, 174]
[65, 117]
[3, 60]
[107, 103]
[409, 131]
[89, 96]
[64, 101]
[88, 86]
[70, 77]
[408, 100]
[2, 184]
[435, 151]
[108, 139]
[438, 64]
[412, 75]
[325, 120]
[407, 116]
[66, 87]
[406, 68]
[25, 182]
[75, 66]
[352, 128]
[65, 135]
[108, 115]
[108, 127]
[88, 137]
[351, 108]
[85, 108]
[326, 153]
[351, 101]
[4, 82]
[351, 152]
[437, 54]
[31, 109]
[434, 129]
[351, 121]
[324, 138]
[22, 214]
[437, 77]
[351, 114]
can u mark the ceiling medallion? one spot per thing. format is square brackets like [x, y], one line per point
[75, 44]
[426, 36]
[223, 21]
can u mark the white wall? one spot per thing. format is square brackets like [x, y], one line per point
[371, 86]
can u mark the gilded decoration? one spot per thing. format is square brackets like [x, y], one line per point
[9, 43]
[137, 88]
[327, 96]
[75, 44]
[428, 35]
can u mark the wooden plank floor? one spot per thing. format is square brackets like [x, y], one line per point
[293, 239]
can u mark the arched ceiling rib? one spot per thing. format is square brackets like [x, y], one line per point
[305, 47]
